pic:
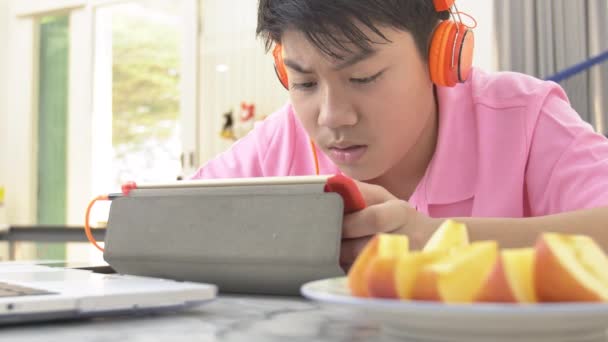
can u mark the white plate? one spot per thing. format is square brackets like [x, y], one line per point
[431, 321]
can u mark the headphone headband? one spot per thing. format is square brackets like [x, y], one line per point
[443, 5]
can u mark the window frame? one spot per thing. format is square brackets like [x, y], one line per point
[23, 102]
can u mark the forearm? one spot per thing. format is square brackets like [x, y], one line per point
[523, 232]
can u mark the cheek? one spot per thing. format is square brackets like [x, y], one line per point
[403, 106]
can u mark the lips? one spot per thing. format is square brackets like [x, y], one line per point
[345, 154]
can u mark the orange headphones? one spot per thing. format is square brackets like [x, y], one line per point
[450, 54]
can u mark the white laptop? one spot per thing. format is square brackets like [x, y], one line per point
[43, 291]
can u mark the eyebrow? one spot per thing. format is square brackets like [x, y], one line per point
[352, 60]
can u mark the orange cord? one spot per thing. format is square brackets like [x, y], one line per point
[470, 17]
[314, 154]
[87, 227]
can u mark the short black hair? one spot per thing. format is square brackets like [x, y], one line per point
[327, 23]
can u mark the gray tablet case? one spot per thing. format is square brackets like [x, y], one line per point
[245, 239]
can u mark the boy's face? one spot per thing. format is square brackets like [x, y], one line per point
[366, 112]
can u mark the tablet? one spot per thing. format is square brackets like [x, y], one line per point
[245, 235]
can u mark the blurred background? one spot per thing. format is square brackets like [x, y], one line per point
[95, 93]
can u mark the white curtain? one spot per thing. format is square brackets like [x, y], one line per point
[542, 37]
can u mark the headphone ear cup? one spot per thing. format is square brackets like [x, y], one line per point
[451, 54]
[279, 66]
[465, 54]
[437, 53]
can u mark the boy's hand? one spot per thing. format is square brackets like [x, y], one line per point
[384, 213]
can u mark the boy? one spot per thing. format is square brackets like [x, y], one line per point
[504, 153]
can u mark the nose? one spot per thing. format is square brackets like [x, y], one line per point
[336, 109]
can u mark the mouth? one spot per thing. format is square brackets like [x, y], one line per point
[347, 154]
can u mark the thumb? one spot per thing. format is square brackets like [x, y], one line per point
[373, 194]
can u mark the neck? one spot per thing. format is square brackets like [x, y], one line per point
[404, 177]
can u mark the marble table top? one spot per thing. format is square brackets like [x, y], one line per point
[228, 318]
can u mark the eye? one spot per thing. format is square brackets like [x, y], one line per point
[303, 86]
[366, 80]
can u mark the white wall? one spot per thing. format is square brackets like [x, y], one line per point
[4, 18]
[19, 128]
[228, 39]
[485, 55]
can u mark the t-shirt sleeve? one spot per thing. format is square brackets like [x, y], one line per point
[567, 168]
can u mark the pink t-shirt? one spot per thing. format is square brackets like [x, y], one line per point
[509, 145]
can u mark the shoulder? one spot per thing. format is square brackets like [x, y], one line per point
[284, 146]
[503, 90]
[278, 130]
[274, 124]
[262, 152]
[280, 139]
[522, 104]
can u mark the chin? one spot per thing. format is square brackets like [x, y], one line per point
[360, 173]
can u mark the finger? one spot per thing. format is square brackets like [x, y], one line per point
[380, 218]
[350, 249]
[373, 194]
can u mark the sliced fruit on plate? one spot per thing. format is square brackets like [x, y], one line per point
[458, 277]
[570, 268]
[449, 235]
[408, 267]
[380, 274]
[373, 272]
[511, 279]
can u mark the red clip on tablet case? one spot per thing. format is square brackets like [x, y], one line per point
[346, 187]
